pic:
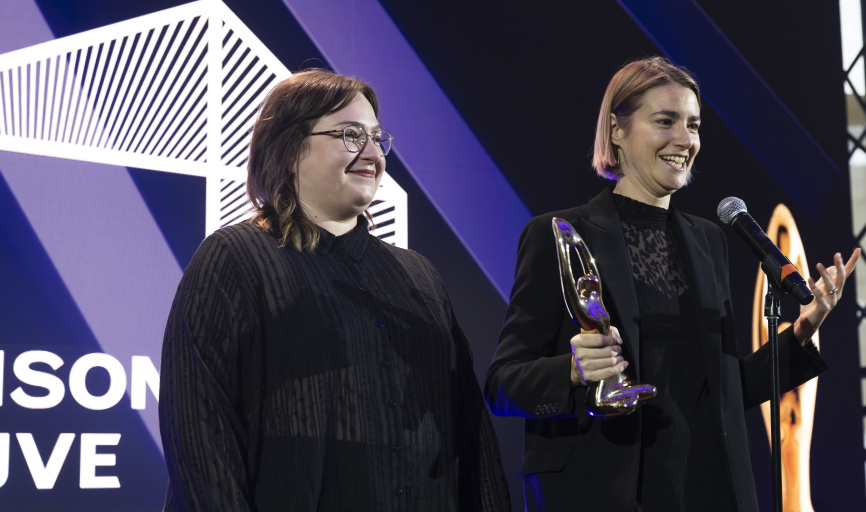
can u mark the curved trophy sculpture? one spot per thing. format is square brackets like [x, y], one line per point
[616, 395]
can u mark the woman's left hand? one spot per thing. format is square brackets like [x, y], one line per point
[828, 292]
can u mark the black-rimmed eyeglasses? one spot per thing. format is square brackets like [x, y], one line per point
[355, 138]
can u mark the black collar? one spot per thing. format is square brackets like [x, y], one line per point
[354, 243]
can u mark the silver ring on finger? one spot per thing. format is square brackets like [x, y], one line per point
[834, 290]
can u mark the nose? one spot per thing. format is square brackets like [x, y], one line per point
[684, 137]
[371, 151]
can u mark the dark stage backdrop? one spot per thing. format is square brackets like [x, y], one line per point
[493, 106]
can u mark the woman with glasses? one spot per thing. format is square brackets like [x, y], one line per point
[307, 365]
[665, 280]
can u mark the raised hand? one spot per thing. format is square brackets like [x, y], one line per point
[828, 293]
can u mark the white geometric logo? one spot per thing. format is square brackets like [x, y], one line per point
[149, 93]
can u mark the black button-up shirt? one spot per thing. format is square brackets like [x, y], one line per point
[331, 380]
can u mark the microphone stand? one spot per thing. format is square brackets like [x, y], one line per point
[772, 310]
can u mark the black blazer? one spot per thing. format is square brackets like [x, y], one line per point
[573, 461]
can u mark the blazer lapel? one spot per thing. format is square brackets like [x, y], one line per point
[603, 234]
[700, 271]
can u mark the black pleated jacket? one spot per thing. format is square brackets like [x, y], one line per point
[316, 381]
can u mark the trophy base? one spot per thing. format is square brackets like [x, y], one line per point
[617, 396]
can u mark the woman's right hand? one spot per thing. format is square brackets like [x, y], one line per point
[595, 357]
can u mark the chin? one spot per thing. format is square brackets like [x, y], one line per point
[683, 180]
[361, 205]
[680, 179]
[358, 200]
[364, 201]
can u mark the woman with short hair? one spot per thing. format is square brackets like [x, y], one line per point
[666, 287]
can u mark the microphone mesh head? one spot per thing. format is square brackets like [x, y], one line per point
[729, 208]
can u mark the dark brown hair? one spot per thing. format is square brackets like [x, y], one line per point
[279, 141]
[624, 96]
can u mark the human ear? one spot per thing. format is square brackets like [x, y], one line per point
[616, 131]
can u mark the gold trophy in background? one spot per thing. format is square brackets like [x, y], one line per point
[616, 395]
[796, 407]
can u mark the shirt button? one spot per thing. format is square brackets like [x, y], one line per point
[379, 323]
[396, 447]
[391, 403]
[398, 492]
[385, 363]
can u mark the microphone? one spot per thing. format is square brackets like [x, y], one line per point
[732, 211]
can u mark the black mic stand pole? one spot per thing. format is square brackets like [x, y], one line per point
[772, 310]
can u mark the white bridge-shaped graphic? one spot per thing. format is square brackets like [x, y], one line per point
[174, 91]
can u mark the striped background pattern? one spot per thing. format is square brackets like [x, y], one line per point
[149, 93]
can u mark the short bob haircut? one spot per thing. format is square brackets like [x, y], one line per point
[279, 141]
[623, 97]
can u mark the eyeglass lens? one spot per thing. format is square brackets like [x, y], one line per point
[355, 138]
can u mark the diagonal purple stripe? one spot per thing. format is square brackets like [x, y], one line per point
[433, 141]
[117, 267]
[735, 90]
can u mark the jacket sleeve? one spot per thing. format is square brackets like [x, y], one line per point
[797, 363]
[203, 430]
[481, 478]
[530, 375]
[481, 482]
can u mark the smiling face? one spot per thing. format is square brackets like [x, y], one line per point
[658, 150]
[335, 185]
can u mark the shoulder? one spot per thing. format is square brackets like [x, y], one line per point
[419, 269]
[537, 238]
[543, 223]
[406, 257]
[242, 239]
[597, 209]
[233, 249]
[241, 233]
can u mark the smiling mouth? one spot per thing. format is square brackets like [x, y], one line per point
[364, 173]
[677, 162]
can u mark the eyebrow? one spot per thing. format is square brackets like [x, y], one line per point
[674, 114]
[359, 123]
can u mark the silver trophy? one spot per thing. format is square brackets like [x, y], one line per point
[616, 395]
